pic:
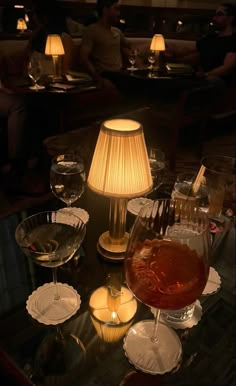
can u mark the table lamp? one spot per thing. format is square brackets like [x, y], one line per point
[119, 170]
[54, 47]
[157, 45]
[21, 25]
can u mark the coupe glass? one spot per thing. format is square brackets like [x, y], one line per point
[67, 177]
[50, 239]
[166, 267]
[34, 72]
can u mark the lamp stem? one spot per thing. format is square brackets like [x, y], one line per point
[55, 66]
[117, 219]
[158, 60]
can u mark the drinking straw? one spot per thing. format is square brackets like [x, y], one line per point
[196, 184]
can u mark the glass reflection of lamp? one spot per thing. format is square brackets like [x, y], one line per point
[21, 25]
[157, 45]
[54, 47]
[108, 328]
[119, 170]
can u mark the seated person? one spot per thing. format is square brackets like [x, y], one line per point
[22, 148]
[103, 45]
[215, 54]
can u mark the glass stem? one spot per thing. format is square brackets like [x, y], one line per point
[54, 275]
[68, 204]
[154, 337]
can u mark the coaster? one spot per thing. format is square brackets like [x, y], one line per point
[42, 306]
[189, 323]
[79, 212]
[136, 204]
[213, 284]
[152, 357]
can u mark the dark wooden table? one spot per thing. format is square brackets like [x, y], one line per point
[208, 348]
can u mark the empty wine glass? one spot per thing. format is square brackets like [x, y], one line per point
[34, 72]
[67, 177]
[50, 239]
[166, 267]
[132, 59]
[151, 59]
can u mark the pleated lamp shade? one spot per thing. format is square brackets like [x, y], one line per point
[21, 24]
[54, 45]
[120, 166]
[157, 43]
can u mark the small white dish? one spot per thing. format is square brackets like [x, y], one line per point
[136, 204]
[79, 212]
[213, 283]
[189, 323]
[54, 313]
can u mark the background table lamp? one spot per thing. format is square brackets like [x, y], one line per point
[119, 170]
[157, 45]
[54, 47]
[21, 25]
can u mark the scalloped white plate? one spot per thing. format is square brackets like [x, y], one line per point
[213, 283]
[40, 306]
[193, 321]
[136, 204]
[79, 212]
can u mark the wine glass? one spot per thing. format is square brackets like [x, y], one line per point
[50, 239]
[166, 267]
[157, 166]
[67, 177]
[151, 59]
[132, 59]
[34, 72]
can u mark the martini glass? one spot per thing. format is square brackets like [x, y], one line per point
[50, 239]
[166, 267]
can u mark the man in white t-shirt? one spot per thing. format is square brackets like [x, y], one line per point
[103, 45]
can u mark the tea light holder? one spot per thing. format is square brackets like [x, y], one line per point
[111, 328]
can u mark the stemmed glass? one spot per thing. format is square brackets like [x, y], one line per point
[166, 267]
[34, 72]
[151, 59]
[67, 177]
[132, 59]
[50, 239]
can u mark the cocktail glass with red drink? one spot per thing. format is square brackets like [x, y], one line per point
[166, 267]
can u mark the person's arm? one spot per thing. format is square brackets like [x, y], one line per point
[227, 67]
[192, 58]
[188, 55]
[125, 48]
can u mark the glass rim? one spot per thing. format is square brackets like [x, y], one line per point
[18, 240]
[148, 209]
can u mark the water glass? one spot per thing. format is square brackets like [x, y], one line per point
[183, 190]
[220, 174]
[157, 165]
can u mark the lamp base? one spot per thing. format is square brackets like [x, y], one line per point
[112, 252]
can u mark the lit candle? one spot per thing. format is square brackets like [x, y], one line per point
[112, 323]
